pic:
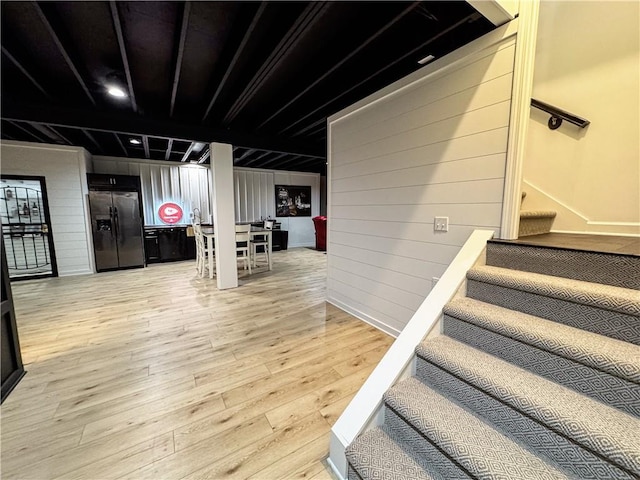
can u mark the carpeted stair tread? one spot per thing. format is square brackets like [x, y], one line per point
[602, 386]
[537, 214]
[568, 455]
[608, 297]
[606, 354]
[378, 454]
[607, 268]
[599, 428]
[481, 450]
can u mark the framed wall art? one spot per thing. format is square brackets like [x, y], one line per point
[293, 201]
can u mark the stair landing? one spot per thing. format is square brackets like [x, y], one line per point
[584, 242]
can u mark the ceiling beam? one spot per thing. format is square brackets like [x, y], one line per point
[469, 18]
[93, 139]
[179, 54]
[63, 51]
[58, 134]
[354, 52]
[121, 144]
[145, 145]
[236, 56]
[257, 159]
[167, 155]
[273, 160]
[296, 32]
[245, 155]
[117, 25]
[28, 132]
[25, 72]
[204, 156]
[129, 124]
[188, 152]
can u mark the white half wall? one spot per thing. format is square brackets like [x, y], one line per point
[64, 169]
[432, 144]
[587, 62]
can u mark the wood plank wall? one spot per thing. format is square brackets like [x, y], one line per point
[64, 169]
[433, 147]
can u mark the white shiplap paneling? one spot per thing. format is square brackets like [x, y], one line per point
[434, 146]
[64, 169]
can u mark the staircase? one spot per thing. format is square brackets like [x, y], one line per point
[535, 222]
[537, 376]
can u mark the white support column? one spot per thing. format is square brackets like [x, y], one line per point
[222, 206]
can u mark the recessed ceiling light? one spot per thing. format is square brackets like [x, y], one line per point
[116, 91]
[426, 59]
[134, 141]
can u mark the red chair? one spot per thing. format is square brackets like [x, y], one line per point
[320, 223]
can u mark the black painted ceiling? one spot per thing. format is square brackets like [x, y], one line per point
[262, 76]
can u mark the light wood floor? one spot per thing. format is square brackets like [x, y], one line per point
[154, 373]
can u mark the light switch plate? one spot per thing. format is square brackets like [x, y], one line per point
[441, 224]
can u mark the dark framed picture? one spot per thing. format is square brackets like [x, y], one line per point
[293, 201]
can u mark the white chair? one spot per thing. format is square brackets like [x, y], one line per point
[261, 241]
[243, 245]
[202, 255]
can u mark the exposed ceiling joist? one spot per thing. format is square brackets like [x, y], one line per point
[25, 72]
[63, 51]
[127, 124]
[117, 25]
[342, 62]
[145, 145]
[28, 132]
[303, 23]
[167, 155]
[179, 54]
[185, 157]
[124, 150]
[236, 56]
[92, 139]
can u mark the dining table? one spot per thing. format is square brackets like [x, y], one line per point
[210, 236]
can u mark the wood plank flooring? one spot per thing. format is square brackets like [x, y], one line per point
[154, 373]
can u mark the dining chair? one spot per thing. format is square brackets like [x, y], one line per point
[243, 245]
[261, 241]
[202, 253]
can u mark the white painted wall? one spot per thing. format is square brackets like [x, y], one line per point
[255, 198]
[301, 229]
[253, 190]
[587, 62]
[432, 144]
[64, 169]
[182, 183]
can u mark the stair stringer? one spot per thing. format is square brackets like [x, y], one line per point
[366, 409]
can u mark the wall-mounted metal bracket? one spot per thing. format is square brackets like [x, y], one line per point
[558, 115]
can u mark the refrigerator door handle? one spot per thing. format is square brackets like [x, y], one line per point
[116, 223]
[112, 218]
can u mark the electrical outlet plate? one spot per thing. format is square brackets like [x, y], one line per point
[441, 224]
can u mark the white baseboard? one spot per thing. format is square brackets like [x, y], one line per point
[394, 332]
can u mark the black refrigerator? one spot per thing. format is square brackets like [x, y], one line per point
[116, 224]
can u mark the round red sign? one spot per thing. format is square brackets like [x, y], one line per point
[170, 213]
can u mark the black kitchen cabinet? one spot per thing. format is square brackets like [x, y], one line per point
[168, 244]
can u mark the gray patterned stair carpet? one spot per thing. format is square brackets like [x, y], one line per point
[604, 309]
[615, 269]
[535, 377]
[535, 222]
[594, 365]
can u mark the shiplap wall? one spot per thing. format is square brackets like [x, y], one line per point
[255, 194]
[64, 169]
[431, 145]
[185, 184]
[255, 198]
